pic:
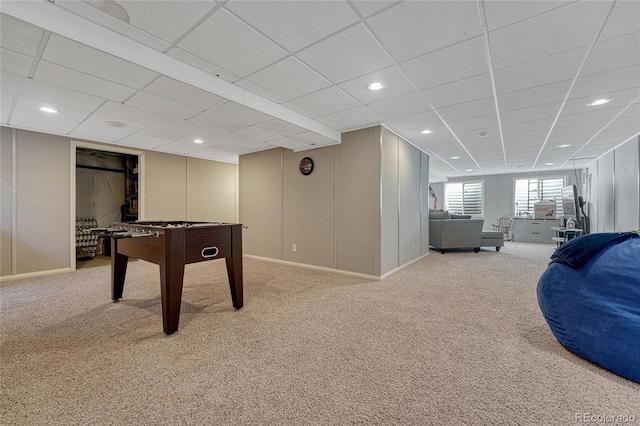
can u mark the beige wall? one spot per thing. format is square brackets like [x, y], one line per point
[358, 211]
[43, 197]
[211, 194]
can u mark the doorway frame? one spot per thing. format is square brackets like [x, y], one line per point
[72, 185]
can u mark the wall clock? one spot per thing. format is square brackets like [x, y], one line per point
[306, 166]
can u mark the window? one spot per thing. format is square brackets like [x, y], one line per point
[464, 197]
[528, 191]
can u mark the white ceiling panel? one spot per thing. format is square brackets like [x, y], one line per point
[78, 81]
[20, 36]
[170, 19]
[14, 62]
[295, 24]
[457, 62]
[161, 105]
[219, 39]
[550, 69]
[327, 101]
[253, 75]
[348, 54]
[400, 106]
[184, 93]
[80, 57]
[414, 28]
[355, 117]
[290, 79]
[461, 91]
[547, 34]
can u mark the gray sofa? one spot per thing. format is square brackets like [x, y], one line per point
[447, 233]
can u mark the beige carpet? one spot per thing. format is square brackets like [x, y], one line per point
[453, 339]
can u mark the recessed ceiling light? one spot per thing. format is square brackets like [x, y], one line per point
[376, 86]
[116, 124]
[600, 102]
[50, 110]
[426, 131]
[198, 141]
[548, 164]
[455, 157]
[469, 170]
[564, 145]
[482, 134]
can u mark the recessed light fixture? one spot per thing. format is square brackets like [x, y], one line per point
[564, 145]
[426, 131]
[198, 141]
[376, 86]
[455, 157]
[469, 170]
[49, 110]
[600, 102]
[548, 164]
[116, 124]
[482, 134]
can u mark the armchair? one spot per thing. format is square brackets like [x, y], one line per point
[455, 233]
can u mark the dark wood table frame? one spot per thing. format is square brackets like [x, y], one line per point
[172, 246]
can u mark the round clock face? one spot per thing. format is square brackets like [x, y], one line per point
[306, 166]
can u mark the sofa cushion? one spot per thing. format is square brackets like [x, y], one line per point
[460, 216]
[439, 215]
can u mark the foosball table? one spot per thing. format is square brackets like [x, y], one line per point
[172, 245]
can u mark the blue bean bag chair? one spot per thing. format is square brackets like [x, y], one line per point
[590, 297]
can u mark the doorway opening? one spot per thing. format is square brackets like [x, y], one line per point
[106, 191]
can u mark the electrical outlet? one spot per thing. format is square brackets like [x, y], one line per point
[293, 248]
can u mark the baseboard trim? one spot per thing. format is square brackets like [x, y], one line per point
[34, 274]
[337, 271]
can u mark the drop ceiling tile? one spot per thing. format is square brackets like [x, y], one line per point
[304, 111]
[74, 55]
[416, 27]
[294, 24]
[261, 91]
[38, 122]
[180, 147]
[355, 118]
[99, 133]
[215, 154]
[587, 118]
[457, 62]
[4, 115]
[528, 129]
[214, 136]
[184, 93]
[619, 21]
[101, 120]
[368, 8]
[547, 34]
[142, 141]
[250, 143]
[6, 100]
[506, 12]
[477, 108]
[240, 113]
[395, 83]
[550, 69]
[162, 105]
[422, 120]
[599, 85]
[614, 53]
[346, 55]
[85, 83]
[327, 101]
[9, 82]
[258, 134]
[170, 18]
[58, 95]
[205, 42]
[201, 64]
[208, 119]
[15, 63]
[314, 139]
[535, 96]
[163, 131]
[116, 109]
[281, 127]
[19, 36]
[400, 106]
[291, 144]
[289, 78]
[530, 114]
[621, 98]
[457, 92]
